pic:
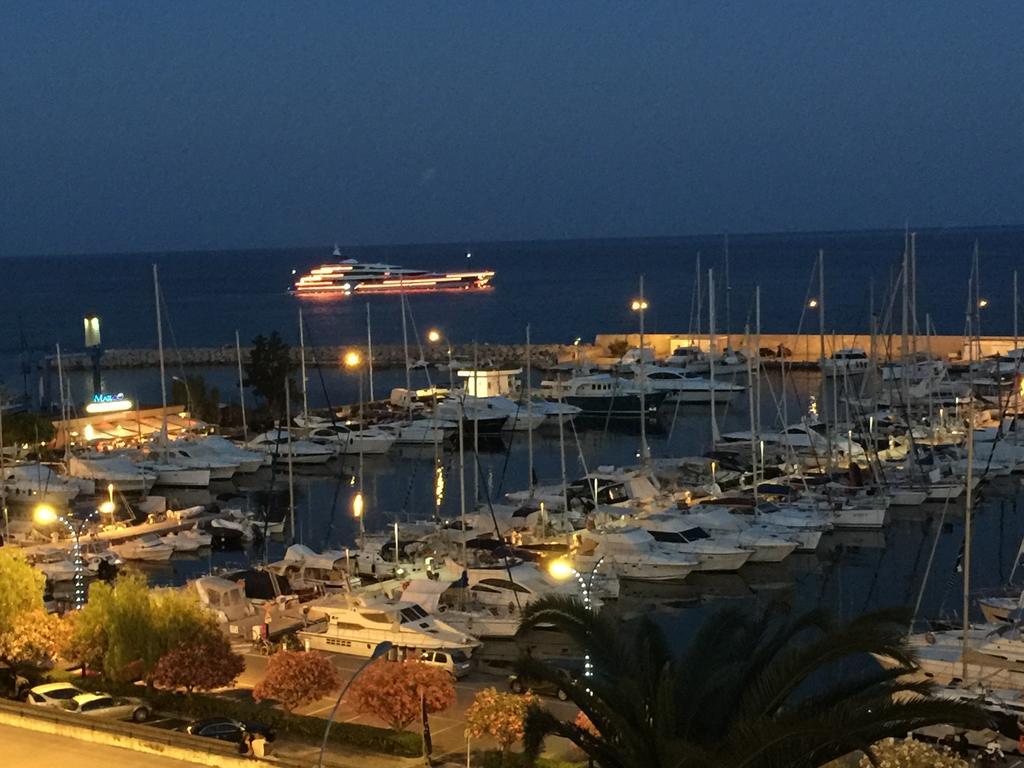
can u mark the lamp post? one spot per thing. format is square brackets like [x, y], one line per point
[353, 361]
[562, 570]
[434, 336]
[380, 650]
[45, 514]
[639, 306]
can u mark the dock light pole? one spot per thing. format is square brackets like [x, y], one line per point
[45, 514]
[380, 650]
[639, 306]
[353, 361]
[562, 570]
[434, 336]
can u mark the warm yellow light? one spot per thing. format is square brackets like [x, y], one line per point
[560, 569]
[813, 303]
[109, 406]
[107, 508]
[433, 335]
[352, 359]
[44, 514]
[357, 505]
[638, 304]
[982, 303]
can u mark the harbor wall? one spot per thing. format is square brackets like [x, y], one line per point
[802, 348]
[805, 348]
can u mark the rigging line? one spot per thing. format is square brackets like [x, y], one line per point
[508, 451]
[928, 568]
[327, 397]
[494, 519]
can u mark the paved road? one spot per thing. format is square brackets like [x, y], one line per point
[30, 749]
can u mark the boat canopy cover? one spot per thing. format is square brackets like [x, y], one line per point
[303, 555]
[425, 592]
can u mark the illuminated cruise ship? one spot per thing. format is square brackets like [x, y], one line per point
[348, 276]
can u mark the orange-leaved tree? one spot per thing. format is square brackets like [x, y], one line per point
[498, 715]
[295, 678]
[392, 690]
[202, 664]
[35, 638]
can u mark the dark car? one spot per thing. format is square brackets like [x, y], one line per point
[569, 670]
[226, 729]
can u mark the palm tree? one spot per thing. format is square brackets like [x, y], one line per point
[748, 692]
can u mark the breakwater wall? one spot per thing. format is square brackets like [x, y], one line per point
[799, 348]
[543, 356]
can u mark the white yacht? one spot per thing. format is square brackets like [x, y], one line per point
[356, 625]
[729, 363]
[765, 545]
[845, 362]
[803, 526]
[344, 439]
[519, 416]
[685, 387]
[605, 396]
[518, 585]
[995, 654]
[275, 443]
[175, 475]
[633, 554]
[425, 431]
[217, 447]
[55, 563]
[38, 482]
[328, 569]
[711, 554]
[188, 540]
[219, 467]
[148, 547]
[112, 470]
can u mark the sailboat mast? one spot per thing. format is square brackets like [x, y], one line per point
[3, 485]
[160, 349]
[967, 533]
[711, 354]
[700, 296]
[728, 297]
[241, 386]
[1016, 304]
[405, 349]
[753, 428]
[757, 373]
[529, 417]
[302, 371]
[644, 449]
[369, 350]
[291, 462]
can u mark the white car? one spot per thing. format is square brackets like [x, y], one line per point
[52, 694]
[456, 663]
[105, 705]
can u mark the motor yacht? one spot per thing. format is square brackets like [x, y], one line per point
[344, 439]
[601, 395]
[633, 554]
[149, 547]
[685, 387]
[277, 445]
[112, 470]
[767, 544]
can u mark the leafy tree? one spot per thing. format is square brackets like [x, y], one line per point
[270, 365]
[757, 692]
[21, 586]
[202, 403]
[295, 678]
[24, 427]
[391, 691]
[501, 716]
[200, 664]
[618, 348]
[909, 753]
[35, 639]
[126, 627]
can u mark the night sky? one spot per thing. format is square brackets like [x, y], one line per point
[192, 125]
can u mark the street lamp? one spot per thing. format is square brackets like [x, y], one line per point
[812, 304]
[433, 335]
[380, 650]
[982, 303]
[562, 570]
[639, 306]
[45, 514]
[353, 361]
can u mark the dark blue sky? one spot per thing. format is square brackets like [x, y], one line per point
[189, 125]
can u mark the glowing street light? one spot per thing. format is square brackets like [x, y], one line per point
[561, 570]
[433, 335]
[638, 305]
[352, 359]
[357, 506]
[44, 514]
[982, 303]
[812, 304]
[107, 508]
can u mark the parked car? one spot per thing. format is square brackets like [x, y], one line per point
[569, 670]
[52, 694]
[226, 729]
[456, 663]
[105, 705]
